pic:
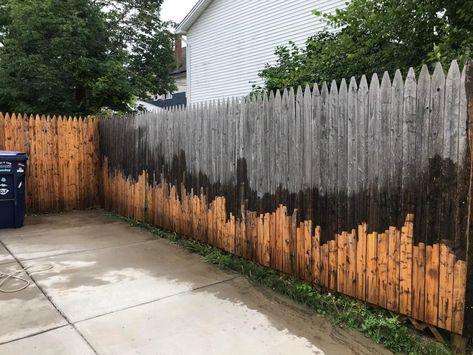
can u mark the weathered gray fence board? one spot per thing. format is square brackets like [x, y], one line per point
[451, 146]
[384, 149]
[395, 176]
[352, 148]
[316, 164]
[422, 147]
[308, 134]
[333, 159]
[342, 168]
[324, 156]
[409, 129]
[374, 136]
[362, 150]
[342, 155]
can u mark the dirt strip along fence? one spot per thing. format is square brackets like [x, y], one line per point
[362, 188]
[63, 160]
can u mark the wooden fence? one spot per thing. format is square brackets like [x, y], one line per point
[364, 189]
[63, 160]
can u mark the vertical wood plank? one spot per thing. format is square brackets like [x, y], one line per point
[460, 280]
[352, 148]
[316, 257]
[422, 153]
[342, 159]
[374, 134]
[409, 183]
[446, 273]
[405, 285]
[395, 151]
[432, 260]
[436, 133]
[362, 114]
[372, 268]
[341, 262]
[383, 255]
[450, 217]
[351, 278]
[361, 263]
[392, 301]
[308, 251]
[418, 282]
[332, 264]
[333, 161]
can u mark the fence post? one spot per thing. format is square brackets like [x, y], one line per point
[459, 342]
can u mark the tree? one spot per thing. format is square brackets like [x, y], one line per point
[372, 36]
[77, 57]
[136, 26]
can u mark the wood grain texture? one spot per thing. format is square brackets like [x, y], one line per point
[63, 165]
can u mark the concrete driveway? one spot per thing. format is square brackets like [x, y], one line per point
[99, 286]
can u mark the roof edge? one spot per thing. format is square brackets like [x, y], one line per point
[192, 16]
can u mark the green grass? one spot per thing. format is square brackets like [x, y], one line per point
[381, 326]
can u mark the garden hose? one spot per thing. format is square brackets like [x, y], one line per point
[21, 276]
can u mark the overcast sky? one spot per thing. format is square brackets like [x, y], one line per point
[176, 10]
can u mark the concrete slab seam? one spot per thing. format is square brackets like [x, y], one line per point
[49, 299]
[158, 299]
[84, 251]
[34, 334]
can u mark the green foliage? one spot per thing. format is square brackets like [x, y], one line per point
[77, 57]
[137, 26]
[373, 36]
[380, 326]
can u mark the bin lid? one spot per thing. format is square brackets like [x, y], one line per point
[9, 154]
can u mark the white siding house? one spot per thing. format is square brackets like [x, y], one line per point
[229, 41]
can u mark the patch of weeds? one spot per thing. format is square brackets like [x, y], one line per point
[381, 326]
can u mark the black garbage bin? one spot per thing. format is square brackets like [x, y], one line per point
[12, 189]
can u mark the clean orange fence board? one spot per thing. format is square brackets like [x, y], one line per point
[351, 264]
[372, 268]
[361, 263]
[432, 261]
[316, 258]
[418, 282]
[300, 250]
[341, 262]
[308, 251]
[324, 269]
[383, 255]
[332, 264]
[459, 297]
[63, 166]
[392, 299]
[447, 264]
[405, 285]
